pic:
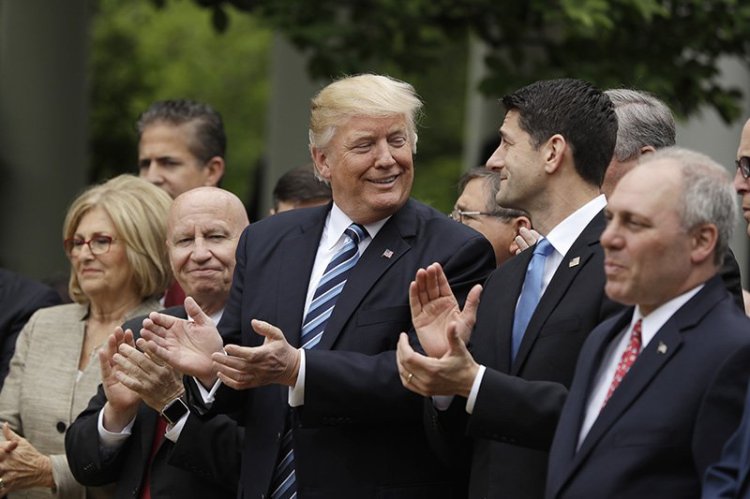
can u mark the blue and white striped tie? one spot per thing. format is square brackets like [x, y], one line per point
[283, 483]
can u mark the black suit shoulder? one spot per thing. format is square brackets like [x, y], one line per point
[20, 297]
[136, 323]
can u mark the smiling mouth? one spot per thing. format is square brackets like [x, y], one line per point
[384, 181]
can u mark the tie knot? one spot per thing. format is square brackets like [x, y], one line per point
[543, 247]
[356, 233]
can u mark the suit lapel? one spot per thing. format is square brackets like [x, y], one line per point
[298, 256]
[577, 258]
[658, 353]
[587, 369]
[147, 419]
[391, 241]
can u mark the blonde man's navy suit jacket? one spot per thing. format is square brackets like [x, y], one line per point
[359, 432]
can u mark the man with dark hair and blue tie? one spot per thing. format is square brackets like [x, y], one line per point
[318, 300]
[537, 309]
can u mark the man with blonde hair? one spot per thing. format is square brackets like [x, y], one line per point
[318, 301]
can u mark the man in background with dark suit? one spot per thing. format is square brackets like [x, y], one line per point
[19, 298]
[557, 139]
[730, 477]
[658, 388]
[120, 437]
[317, 304]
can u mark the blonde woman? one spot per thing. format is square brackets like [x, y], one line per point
[114, 236]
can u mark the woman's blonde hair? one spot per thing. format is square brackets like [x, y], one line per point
[138, 210]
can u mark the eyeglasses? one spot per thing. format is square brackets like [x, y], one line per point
[743, 165]
[460, 215]
[98, 244]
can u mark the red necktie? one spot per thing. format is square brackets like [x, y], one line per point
[626, 361]
[175, 296]
[161, 428]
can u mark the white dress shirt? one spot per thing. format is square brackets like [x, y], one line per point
[331, 241]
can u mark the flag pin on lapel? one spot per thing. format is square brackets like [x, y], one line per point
[662, 348]
[388, 253]
[575, 261]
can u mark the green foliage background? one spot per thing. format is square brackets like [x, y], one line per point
[217, 51]
[142, 53]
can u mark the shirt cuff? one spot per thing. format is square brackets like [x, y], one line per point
[112, 440]
[297, 392]
[173, 431]
[475, 390]
[208, 396]
[442, 402]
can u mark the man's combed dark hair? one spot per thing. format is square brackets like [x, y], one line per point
[575, 109]
[210, 139]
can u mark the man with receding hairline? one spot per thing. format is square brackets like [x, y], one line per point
[142, 401]
[659, 387]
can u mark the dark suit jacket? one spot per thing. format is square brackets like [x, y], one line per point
[729, 478]
[19, 298]
[203, 463]
[517, 406]
[671, 414]
[359, 433]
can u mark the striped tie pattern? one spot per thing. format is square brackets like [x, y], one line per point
[283, 484]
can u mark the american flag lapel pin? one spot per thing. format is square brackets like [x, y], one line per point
[575, 261]
[388, 253]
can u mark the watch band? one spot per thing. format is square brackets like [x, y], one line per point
[174, 410]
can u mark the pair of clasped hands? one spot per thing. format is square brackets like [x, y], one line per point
[443, 330]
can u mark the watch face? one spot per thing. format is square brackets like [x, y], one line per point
[174, 411]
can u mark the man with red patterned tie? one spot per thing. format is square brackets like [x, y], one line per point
[658, 388]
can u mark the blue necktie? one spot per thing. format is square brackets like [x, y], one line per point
[532, 291]
[283, 483]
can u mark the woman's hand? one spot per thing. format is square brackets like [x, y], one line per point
[21, 465]
[122, 402]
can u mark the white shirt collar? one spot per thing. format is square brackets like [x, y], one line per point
[659, 316]
[337, 223]
[564, 234]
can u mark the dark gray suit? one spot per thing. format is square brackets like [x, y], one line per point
[19, 298]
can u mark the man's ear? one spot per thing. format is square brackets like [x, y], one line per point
[553, 152]
[320, 159]
[647, 150]
[703, 242]
[214, 171]
[521, 221]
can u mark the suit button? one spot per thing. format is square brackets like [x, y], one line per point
[60, 427]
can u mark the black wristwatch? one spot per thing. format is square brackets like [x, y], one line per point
[174, 410]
